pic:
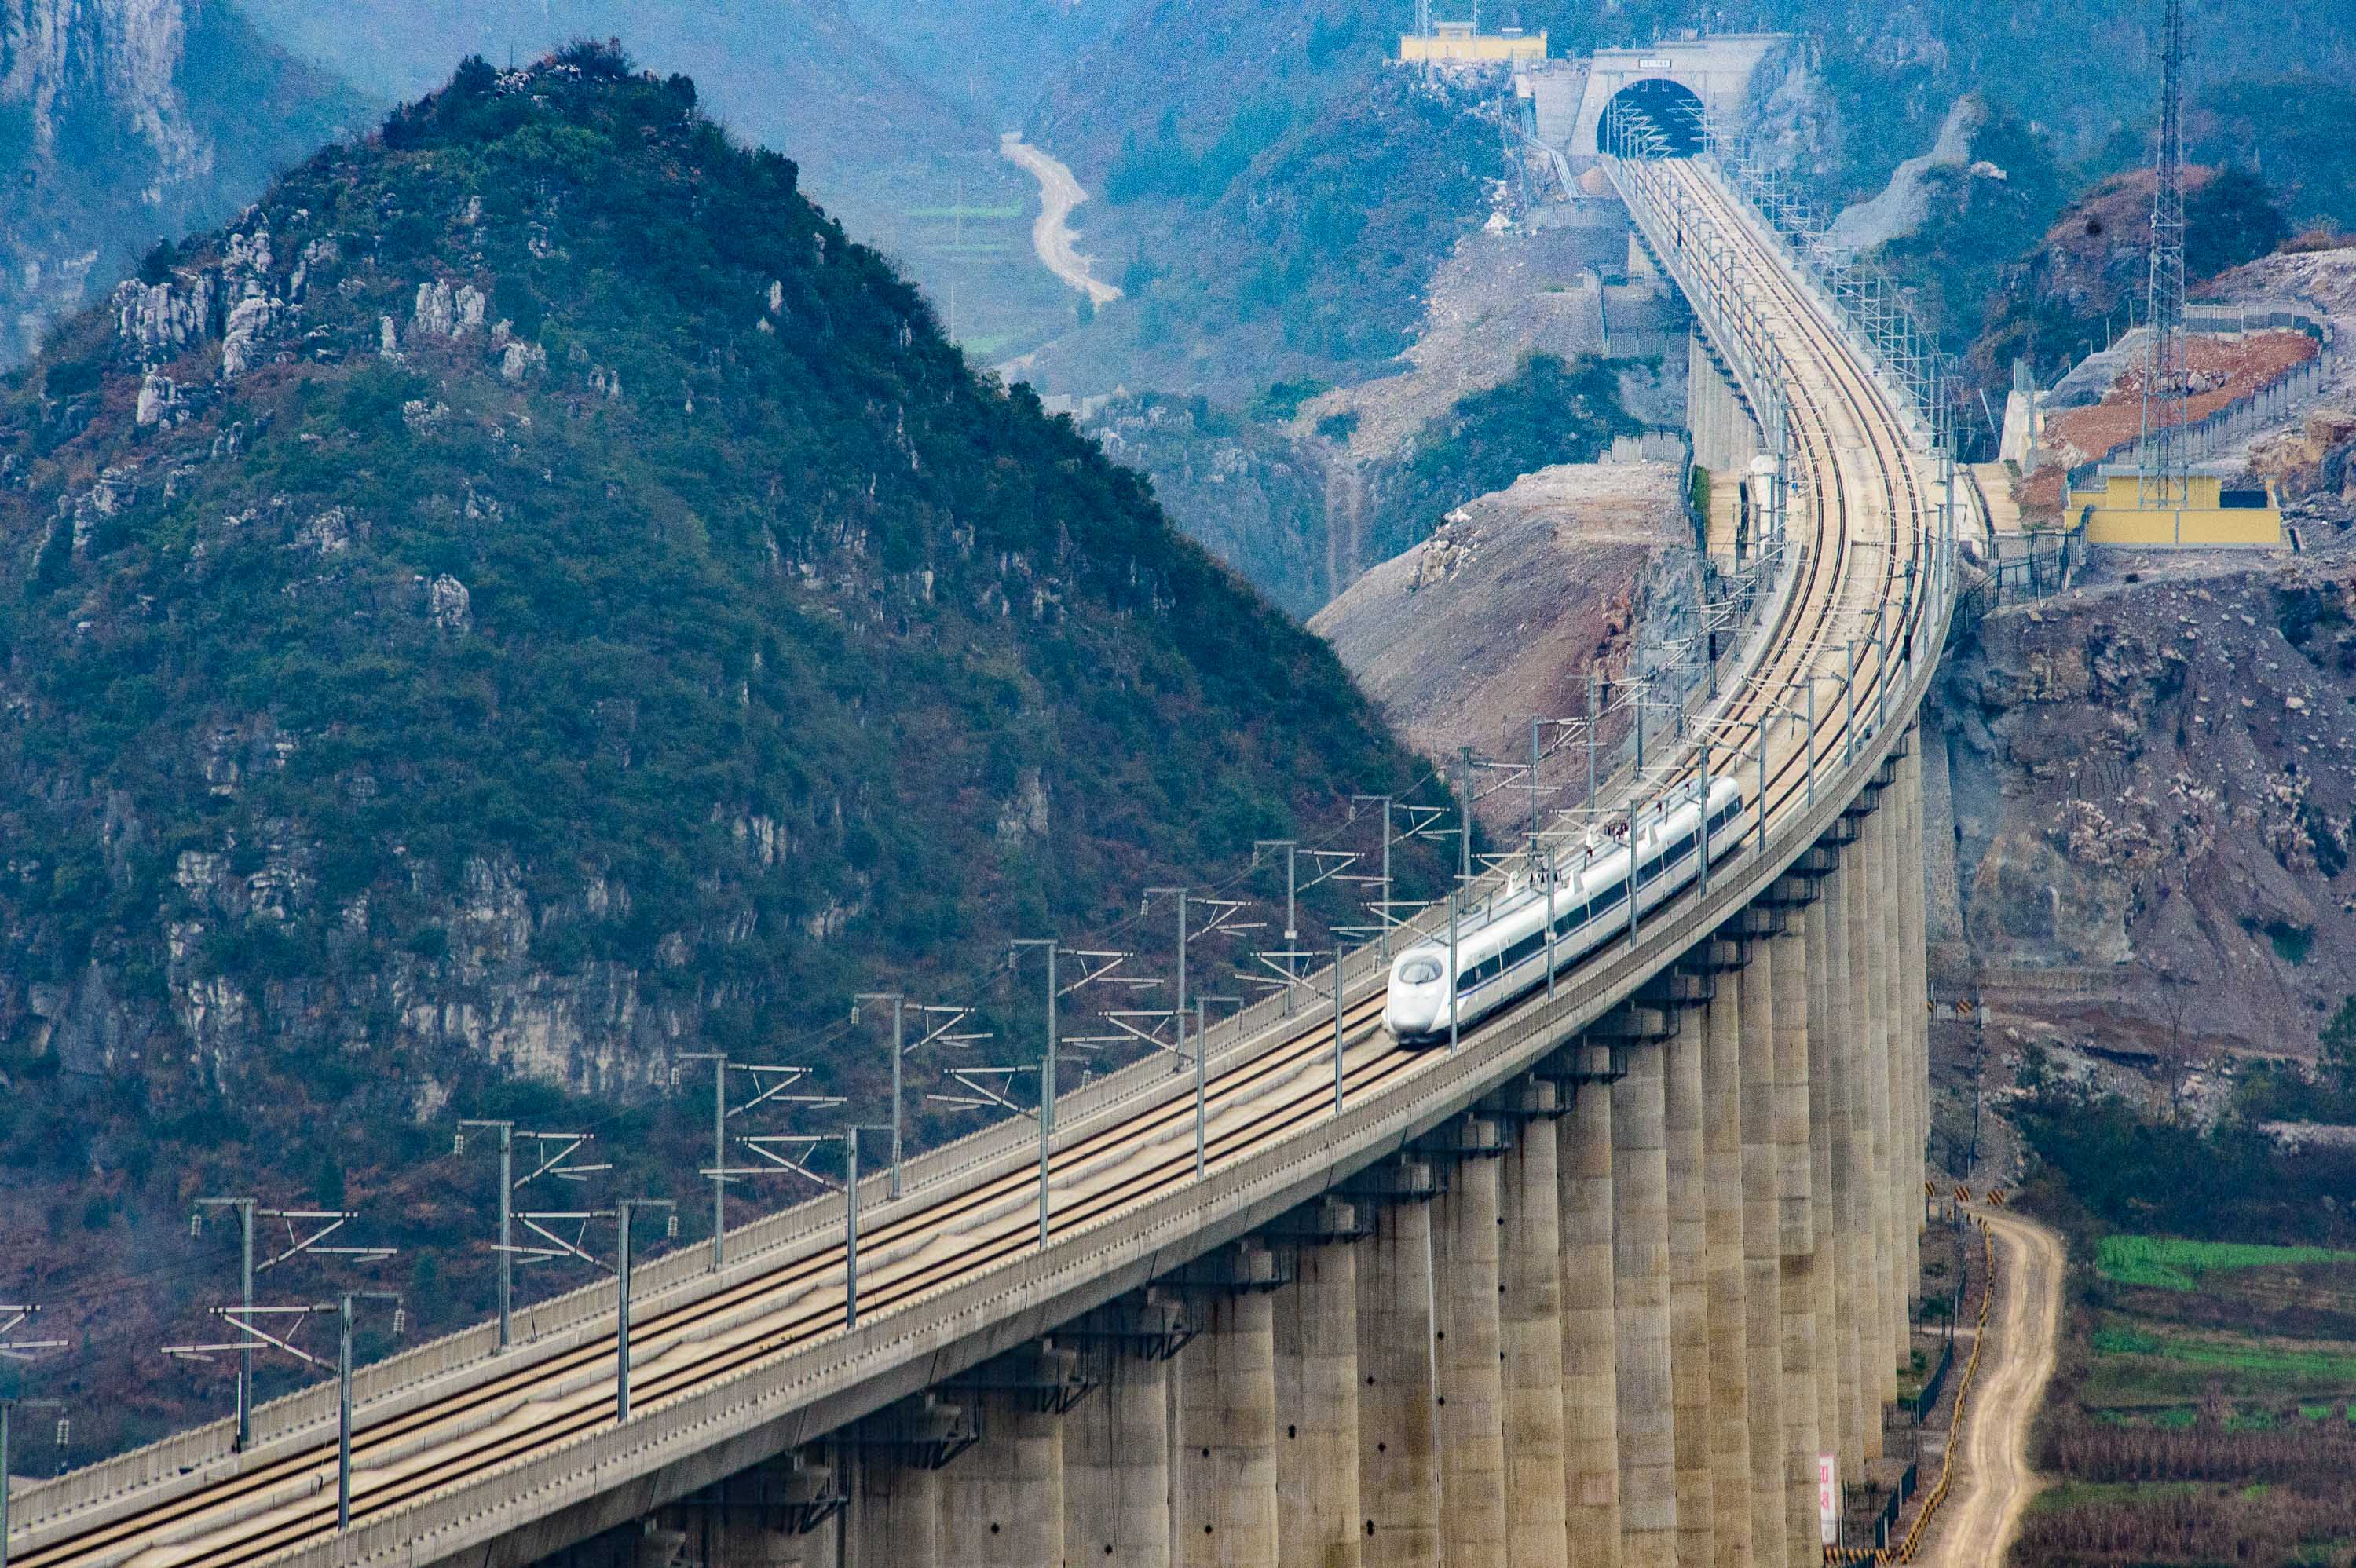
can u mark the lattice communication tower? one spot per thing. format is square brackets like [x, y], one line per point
[2160, 460]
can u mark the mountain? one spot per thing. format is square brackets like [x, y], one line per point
[906, 165]
[530, 597]
[126, 122]
[1274, 198]
[994, 57]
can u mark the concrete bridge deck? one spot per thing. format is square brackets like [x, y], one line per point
[465, 1456]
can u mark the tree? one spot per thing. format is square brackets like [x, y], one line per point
[2338, 1056]
[2231, 219]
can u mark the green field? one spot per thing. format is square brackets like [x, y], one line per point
[1011, 210]
[2168, 1262]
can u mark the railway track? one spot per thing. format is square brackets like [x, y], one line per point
[1861, 476]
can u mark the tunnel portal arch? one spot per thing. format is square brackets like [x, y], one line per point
[1673, 110]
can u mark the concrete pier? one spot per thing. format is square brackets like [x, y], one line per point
[1640, 1257]
[1399, 1452]
[1318, 1522]
[1873, 939]
[894, 1515]
[1763, 1322]
[1802, 1207]
[1915, 1002]
[1591, 1375]
[1530, 1342]
[1117, 1465]
[1729, 1359]
[1225, 1511]
[1851, 1140]
[1472, 1395]
[1002, 1501]
[1689, 1344]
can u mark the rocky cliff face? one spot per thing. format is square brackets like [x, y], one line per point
[532, 595]
[2154, 789]
[126, 122]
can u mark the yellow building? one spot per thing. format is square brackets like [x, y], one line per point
[1456, 41]
[2210, 516]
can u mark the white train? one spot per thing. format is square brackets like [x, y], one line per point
[1501, 947]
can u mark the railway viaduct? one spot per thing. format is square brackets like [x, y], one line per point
[1597, 1286]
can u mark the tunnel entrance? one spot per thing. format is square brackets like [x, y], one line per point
[1665, 117]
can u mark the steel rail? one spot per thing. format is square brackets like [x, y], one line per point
[1831, 504]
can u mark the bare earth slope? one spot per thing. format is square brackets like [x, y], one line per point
[1500, 612]
[2154, 783]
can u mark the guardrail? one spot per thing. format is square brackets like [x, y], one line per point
[193, 1459]
[1912, 1540]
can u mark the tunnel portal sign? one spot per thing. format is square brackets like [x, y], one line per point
[1827, 1501]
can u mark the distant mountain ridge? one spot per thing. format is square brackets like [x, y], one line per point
[891, 150]
[531, 597]
[127, 121]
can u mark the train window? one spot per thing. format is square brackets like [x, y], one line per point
[1526, 948]
[1418, 971]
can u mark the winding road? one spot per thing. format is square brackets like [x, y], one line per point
[2024, 1329]
[458, 1448]
[1051, 235]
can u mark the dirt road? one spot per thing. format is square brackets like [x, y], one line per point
[1051, 235]
[1995, 1481]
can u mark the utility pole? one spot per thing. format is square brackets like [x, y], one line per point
[719, 1060]
[8, 1408]
[1590, 801]
[1202, 1095]
[1291, 848]
[1849, 698]
[252, 1335]
[565, 1144]
[244, 1209]
[1454, 895]
[11, 1317]
[1383, 914]
[1050, 945]
[1465, 815]
[851, 1221]
[1337, 1032]
[507, 1221]
[1702, 873]
[2160, 460]
[328, 1221]
[899, 1049]
[344, 1396]
[1179, 1013]
[1202, 1081]
[624, 1212]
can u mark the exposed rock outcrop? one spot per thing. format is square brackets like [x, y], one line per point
[2154, 787]
[121, 144]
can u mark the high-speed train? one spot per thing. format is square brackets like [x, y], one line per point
[1501, 947]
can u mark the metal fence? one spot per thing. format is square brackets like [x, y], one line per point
[2044, 569]
[2274, 401]
[1924, 1403]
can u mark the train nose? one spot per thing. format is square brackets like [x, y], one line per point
[1408, 1017]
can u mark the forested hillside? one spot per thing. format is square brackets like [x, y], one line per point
[532, 598]
[1275, 197]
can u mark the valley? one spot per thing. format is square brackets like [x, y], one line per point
[593, 571]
